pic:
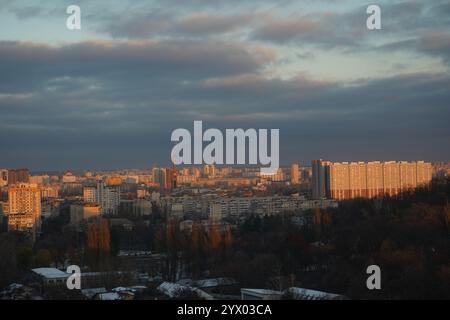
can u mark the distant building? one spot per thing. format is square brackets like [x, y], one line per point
[209, 170]
[215, 212]
[320, 183]
[159, 176]
[50, 207]
[349, 180]
[49, 192]
[294, 174]
[3, 177]
[141, 193]
[136, 207]
[69, 177]
[90, 194]
[441, 169]
[24, 202]
[217, 207]
[41, 180]
[171, 178]
[114, 181]
[121, 223]
[107, 197]
[277, 176]
[83, 211]
[18, 176]
[3, 220]
[306, 174]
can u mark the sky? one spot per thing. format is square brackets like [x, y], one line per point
[109, 95]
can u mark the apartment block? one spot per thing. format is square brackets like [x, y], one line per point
[349, 180]
[24, 206]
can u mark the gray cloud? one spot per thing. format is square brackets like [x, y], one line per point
[24, 66]
[435, 44]
[115, 104]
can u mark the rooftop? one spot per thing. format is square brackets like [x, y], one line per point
[308, 294]
[50, 273]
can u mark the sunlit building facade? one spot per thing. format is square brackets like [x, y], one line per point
[349, 180]
[24, 206]
[294, 174]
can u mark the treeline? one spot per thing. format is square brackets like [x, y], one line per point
[408, 236]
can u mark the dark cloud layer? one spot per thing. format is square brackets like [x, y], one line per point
[115, 104]
[162, 64]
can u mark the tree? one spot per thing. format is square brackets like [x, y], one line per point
[98, 243]
[43, 258]
[24, 258]
[8, 262]
[215, 238]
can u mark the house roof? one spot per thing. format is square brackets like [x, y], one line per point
[109, 296]
[215, 282]
[170, 289]
[91, 292]
[51, 273]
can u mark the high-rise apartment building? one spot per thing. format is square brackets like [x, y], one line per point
[165, 177]
[159, 176]
[320, 182]
[24, 206]
[348, 180]
[294, 174]
[171, 178]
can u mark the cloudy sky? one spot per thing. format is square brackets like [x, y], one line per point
[109, 95]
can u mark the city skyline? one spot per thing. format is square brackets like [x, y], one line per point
[283, 166]
[109, 95]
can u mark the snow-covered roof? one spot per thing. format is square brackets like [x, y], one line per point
[138, 288]
[215, 282]
[202, 294]
[185, 282]
[50, 273]
[261, 291]
[109, 296]
[91, 292]
[308, 294]
[170, 288]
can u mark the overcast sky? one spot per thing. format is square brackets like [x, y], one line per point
[109, 95]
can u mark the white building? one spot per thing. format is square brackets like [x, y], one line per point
[52, 276]
[107, 197]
